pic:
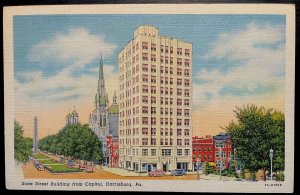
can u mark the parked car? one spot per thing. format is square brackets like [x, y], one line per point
[156, 173]
[178, 172]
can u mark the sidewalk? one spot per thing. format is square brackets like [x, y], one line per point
[122, 172]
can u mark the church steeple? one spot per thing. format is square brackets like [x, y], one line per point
[101, 83]
[101, 67]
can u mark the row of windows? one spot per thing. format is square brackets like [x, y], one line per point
[202, 149]
[146, 131]
[163, 48]
[152, 141]
[145, 68]
[209, 157]
[145, 100]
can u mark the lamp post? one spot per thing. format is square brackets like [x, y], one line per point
[271, 158]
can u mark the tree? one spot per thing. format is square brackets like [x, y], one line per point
[77, 141]
[22, 146]
[254, 133]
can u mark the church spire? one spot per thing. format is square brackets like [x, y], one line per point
[101, 67]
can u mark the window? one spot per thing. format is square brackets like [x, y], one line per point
[153, 100]
[166, 152]
[153, 110]
[153, 68]
[145, 131]
[179, 91]
[187, 52]
[186, 142]
[153, 58]
[145, 56]
[179, 102]
[166, 101]
[186, 82]
[166, 141]
[179, 142]
[167, 49]
[161, 80]
[145, 78]
[153, 120]
[186, 122]
[162, 90]
[153, 131]
[171, 50]
[179, 132]
[145, 90]
[186, 102]
[171, 142]
[153, 141]
[179, 152]
[145, 67]
[161, 69]
[171, 132]
[209, 149]
[186, 72]
[179, 82]
[179, 61]
[145, 98]
[161, 141]
[186, 132]
[162, 59]
[153, 90]
[166, 71]
[186, 112]
[153, 79]
[199, 149]
[166, 59]
[145, 45]
[179, 51]
[145, 152]
[161, 119]
[194, 149]
[145, 141]
[145, 110]
[166, 111]
[153, 152]
[179, 112]
[187, 62]
[171, 102]
[145, 120]
[153, 47]
[186, 152]
[161, 48]
[179, 71]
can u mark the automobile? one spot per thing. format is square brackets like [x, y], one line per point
[182, 170]
[156, 173]
[178, 172]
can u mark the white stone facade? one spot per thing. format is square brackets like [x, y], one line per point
[155, 98]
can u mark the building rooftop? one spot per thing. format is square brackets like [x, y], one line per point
[222, 136]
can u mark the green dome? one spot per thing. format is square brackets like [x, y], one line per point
[113, 109]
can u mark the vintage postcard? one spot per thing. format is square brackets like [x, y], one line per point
[169, 97]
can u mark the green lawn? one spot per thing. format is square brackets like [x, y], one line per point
[49, 161]
[55, 167]
[61, 168]
[40, 156]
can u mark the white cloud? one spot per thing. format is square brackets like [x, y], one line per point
[77, 45]
[259, 57]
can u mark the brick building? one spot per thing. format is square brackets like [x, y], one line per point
[208, 148]
[113, 151]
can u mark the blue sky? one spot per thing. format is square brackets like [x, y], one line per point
[236, 56]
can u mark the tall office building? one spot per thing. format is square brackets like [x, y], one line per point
[155, 90]
[35, 135]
